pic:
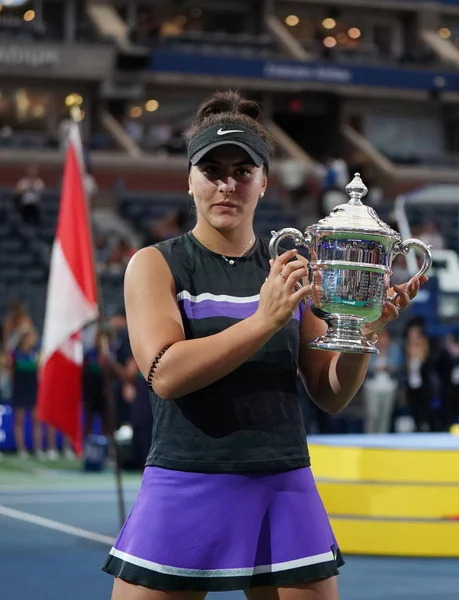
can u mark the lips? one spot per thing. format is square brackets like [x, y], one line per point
[226, 204]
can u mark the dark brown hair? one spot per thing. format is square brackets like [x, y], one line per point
[230, 108]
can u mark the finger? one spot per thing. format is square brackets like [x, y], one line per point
[294, 277]
[301, 293]
[413, 288]
[303, 259]
[281, 261]
[403, 297]
[390, 313]
[294, 265]
[423, 279]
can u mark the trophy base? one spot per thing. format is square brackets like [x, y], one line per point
[344, 335]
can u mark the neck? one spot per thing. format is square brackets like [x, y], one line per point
[228, 243]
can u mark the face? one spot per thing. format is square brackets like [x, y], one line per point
[226, 187]
[415, 334]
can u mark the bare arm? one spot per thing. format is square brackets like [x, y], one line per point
[154, 321]
[331, 378]
[334, 378]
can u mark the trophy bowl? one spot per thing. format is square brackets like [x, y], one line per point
[350, 263]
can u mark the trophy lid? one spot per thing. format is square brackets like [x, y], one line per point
[354, 215]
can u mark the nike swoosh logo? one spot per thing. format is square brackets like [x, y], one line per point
[222, 132]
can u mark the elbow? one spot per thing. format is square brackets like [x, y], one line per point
[331, 406]
[164, 391]
[334, 409]
[165, 387]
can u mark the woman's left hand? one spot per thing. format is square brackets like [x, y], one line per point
[406, 292]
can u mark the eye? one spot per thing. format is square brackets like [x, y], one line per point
[242, 171]
[210, 169]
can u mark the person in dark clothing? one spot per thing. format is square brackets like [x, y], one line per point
[220, 331]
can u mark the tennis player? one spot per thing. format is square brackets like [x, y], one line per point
[228, 500]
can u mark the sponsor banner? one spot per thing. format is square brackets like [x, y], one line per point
[295, 71]
[59, 61]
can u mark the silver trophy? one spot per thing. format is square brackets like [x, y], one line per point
[350, 264]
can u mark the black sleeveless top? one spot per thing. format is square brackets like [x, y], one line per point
[250, 420]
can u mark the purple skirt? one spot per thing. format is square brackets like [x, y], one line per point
[219, 532]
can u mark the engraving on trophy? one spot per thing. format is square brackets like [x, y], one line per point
[351, 254]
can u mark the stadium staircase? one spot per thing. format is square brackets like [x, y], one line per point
[445, 50]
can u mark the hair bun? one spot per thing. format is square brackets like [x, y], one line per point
[228, 102]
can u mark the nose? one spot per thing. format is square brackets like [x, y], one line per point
[227, 186]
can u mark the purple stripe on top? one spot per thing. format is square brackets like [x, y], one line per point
[207, 309]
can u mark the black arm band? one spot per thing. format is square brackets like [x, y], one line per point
[154, 364]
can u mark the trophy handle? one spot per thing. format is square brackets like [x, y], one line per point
[299, 238]
[408, 245]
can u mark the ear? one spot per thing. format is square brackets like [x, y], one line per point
[265, 185]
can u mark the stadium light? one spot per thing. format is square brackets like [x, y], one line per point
[329, 23]
[292, 20]
[152, 105]
[444, 33]
[330, 42]
[354, 33]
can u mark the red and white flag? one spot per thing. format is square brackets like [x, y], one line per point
[70, 305]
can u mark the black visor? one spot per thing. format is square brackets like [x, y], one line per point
[221, 135]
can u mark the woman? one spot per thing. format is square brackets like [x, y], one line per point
[16, 323]
[447, 366]
[23, 365]
[228, 500]
[382, 384]
[419, 374]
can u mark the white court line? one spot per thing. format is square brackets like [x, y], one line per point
[75, 499]
[49, 524]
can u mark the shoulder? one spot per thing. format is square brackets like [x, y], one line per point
[176, 244]
[146, 264]
[164, 262]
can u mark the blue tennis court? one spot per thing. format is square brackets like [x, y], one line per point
[57, 525]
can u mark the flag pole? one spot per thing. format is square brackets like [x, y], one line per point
[110, 406]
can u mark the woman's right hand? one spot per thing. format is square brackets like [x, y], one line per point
[279, 298]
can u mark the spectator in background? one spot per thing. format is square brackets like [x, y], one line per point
[330, 199]
[336, 173]
[293, 178]
[121, 354]
[16, 323]
[135, 130]
[29, 191]
[94, 381]
[448, 371]
[90, 186]
[158, 136]
[382, 384]
[119, 257]
[419, 376]
[101, 251]
[23, 365]
[141, 416]
[171, 225]
[400, 271]
[431, 236]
